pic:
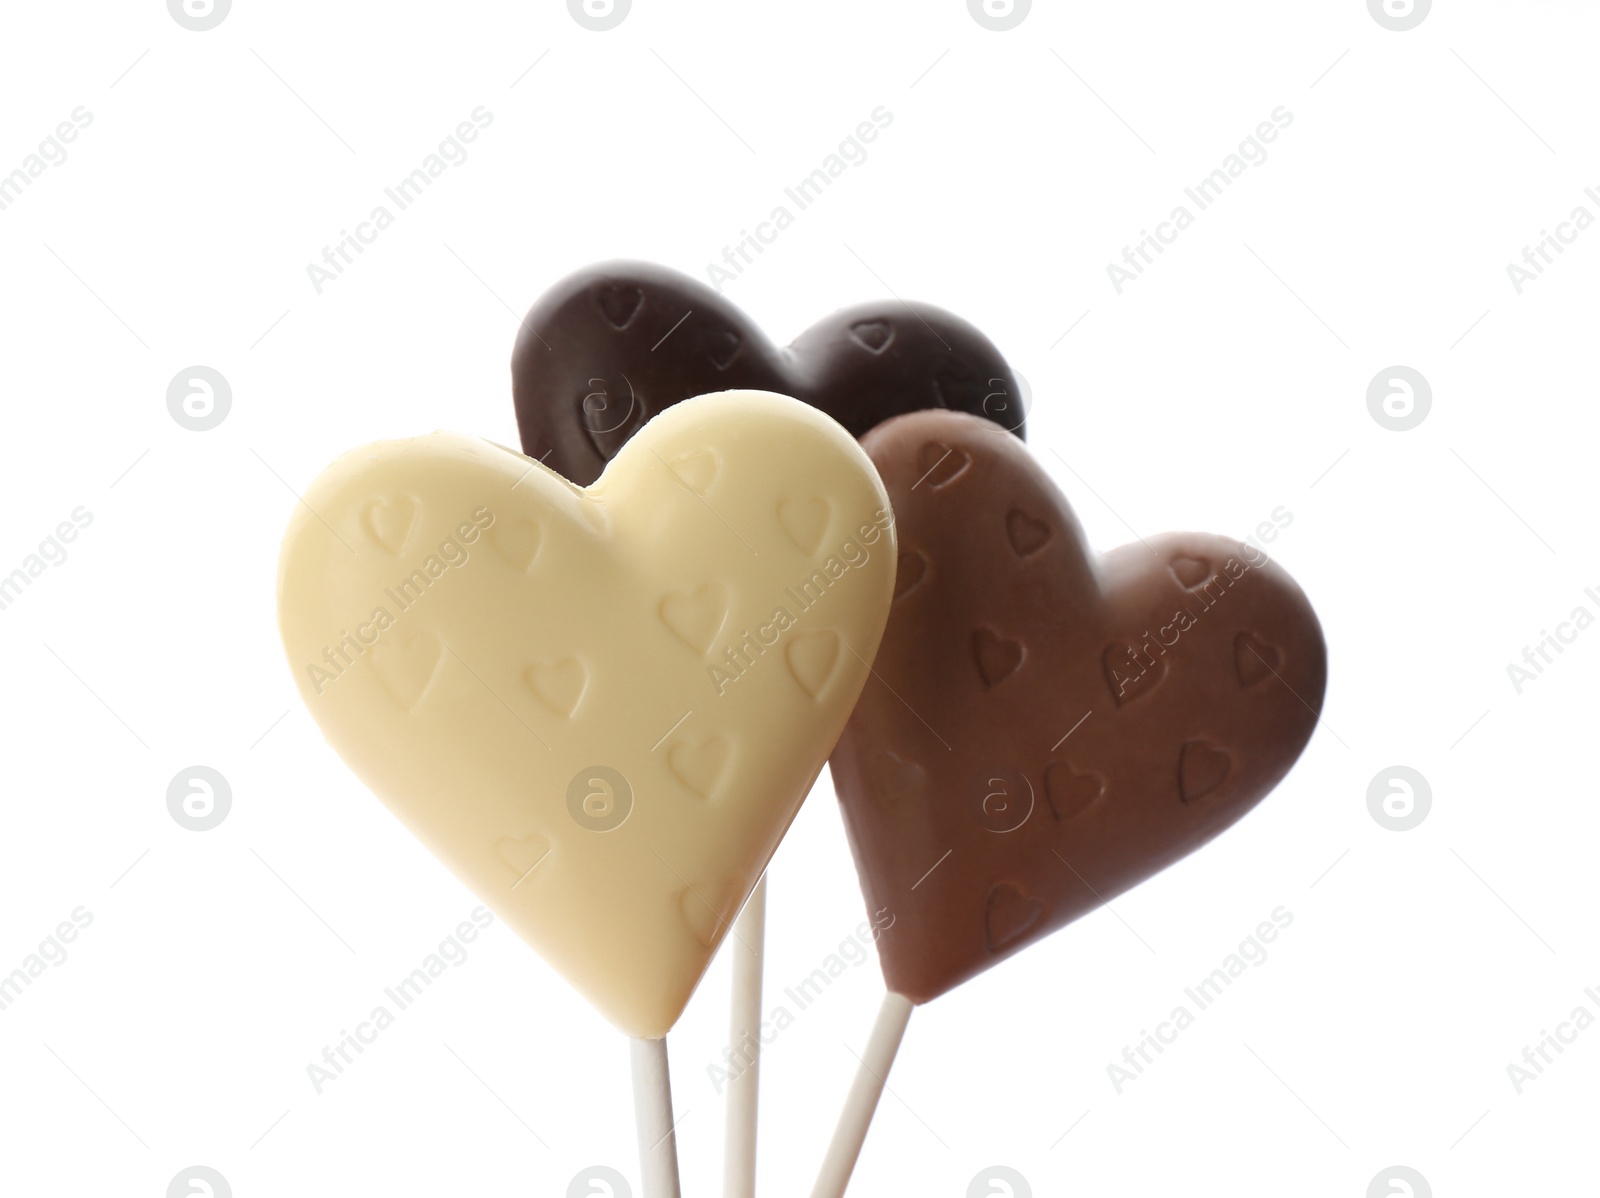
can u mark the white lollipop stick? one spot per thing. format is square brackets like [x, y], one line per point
[652, 1111]
[856, 1118]
[744, 1034]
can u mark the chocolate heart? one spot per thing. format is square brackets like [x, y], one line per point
[550, 712]
[1133, 705]
[607, 348]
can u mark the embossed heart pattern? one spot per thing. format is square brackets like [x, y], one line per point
[601, 707]
[1045, 728]
[608, 347]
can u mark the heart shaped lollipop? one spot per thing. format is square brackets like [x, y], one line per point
[607, 348]
[601, 707]
[1046, 727]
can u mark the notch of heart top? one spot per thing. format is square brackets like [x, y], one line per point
[607, 348]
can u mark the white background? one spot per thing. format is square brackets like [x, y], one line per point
[1228, 380]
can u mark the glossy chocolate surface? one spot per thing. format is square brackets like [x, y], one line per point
[610, 346]
[1046, 727]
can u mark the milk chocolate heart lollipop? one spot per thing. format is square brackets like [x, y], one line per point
[607, 348]
[1046, 727]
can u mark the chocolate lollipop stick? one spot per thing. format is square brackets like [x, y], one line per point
[652, 1111]
[605, 349]
[744, 1028]
[851, 1132]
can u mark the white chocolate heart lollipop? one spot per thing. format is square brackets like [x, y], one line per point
[601, 707]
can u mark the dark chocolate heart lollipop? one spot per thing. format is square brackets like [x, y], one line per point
[1046, 727]
[608, 347]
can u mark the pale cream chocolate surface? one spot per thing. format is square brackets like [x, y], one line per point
[601, 707]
